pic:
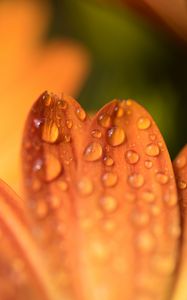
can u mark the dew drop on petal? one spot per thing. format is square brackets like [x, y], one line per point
[148, 196]
[81, 114]
[62, 104]
[41, 209]
[143, 123]
[136, 180]
[119, 111]
[148, 164]
[152, 150]
[53, 167]
[109, 179]
[93, 152]
[85, 186]
[181, 161]
[163, 265]
[108, 204]
[50, 132]
[108, 161]
[96, 133]
[145, 242]
[170, 200]
[116, 136]
[162, 178]
[182, 185]
[62, 184]
[104, 120]
[69, 123]
[140, 218]
[132, 157]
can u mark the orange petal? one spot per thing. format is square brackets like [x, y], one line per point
[22, 270]
[104, 192]
[180, 168]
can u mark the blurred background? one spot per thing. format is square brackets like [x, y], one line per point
[95, 50]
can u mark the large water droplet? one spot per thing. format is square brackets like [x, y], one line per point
[181, 161]
[119, 111]
[116, 136]
[104, 120]
[162, 178]
[152, 150]
[109, 179]
[50, 132]
[96, 133]
[81, 114]
[144, 123]
[93, 152]
[53, 167]
[132, 157]
[136, 180]
[148, 164]
[41, 209]
[108, 204]
[85, 186]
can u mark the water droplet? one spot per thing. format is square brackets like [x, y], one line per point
[152, 150]
[129, 102]
[47, 99]
[69, 123]
[93, 152]
[152, 137]
[108, 204]
[38, 165]
[109, 225]
[67, 138]
[109, 179]
[136, 180]
[55, 201]
[36, 184]
[140, 218]
[116, 136]
[62, 184]
[81, 114]
[144, 123]
[181, 161]
[182, 185]
[108, 161]
[62, 104]
[99, 250]
[85, 186]
[132, 157]
[53, 167]
[162, 178]
[50, 132]
[171, 200]
[104, 120]
[145, 242]
[148, 164]
[119, 111]
[37, 123]
[148, 196]
[175, 230]
[41, 209]
[96, 133]
[155, 210]
[163, 265]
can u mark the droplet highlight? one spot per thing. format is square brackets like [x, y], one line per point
[116, 136]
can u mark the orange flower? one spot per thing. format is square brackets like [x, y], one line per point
[101, 217]
[27, 66]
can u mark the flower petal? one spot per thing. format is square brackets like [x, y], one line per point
[103, 191]
[22, 270]
[180, 168]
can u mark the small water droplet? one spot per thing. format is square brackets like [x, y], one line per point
[162, 178]
[109, 225]
[155, 210]
[175, 230]
[108, 161]
[152, 150]
[148, 164]
[148, 196]
[47, 99]
[85, 186]
[152, 137]
[145, 242]
[62, 104]
[41, 209]
[93, 152]
[119, 111]
[116, 136]
[53, 167]
[144, 123]
[109, 179]
[132, 157]
[140, 218]
[99, 250]
[182, 185]
[136, 180]
[62, 184]
[67, 138]
[96, 133]
[104, 120]
[50, 132]
[163, 265]
[69, 123]
[181, 161]
[108, 204]
[129, 102]
[81, 114]
[171, 200]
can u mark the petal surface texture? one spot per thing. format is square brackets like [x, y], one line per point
[180, 167]
[103, 194]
